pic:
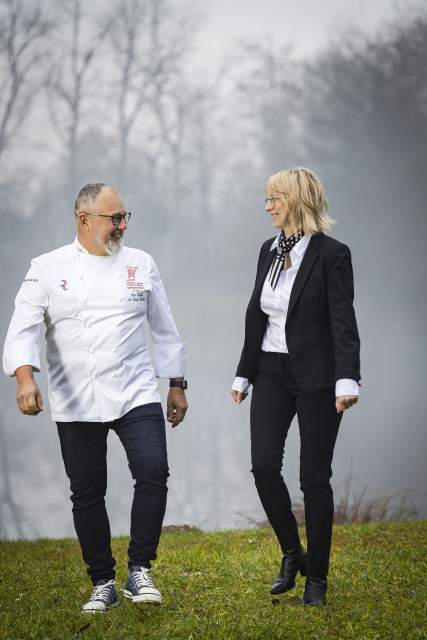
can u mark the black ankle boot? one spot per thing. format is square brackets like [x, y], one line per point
[315, 591]
[293, 561]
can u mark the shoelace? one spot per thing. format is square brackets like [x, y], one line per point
[142, 577]
[103, 591]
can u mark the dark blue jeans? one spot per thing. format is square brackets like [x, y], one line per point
[84, 451]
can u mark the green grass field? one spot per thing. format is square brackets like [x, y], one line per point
[216, 585]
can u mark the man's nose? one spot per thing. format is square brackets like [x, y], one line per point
[123, 224]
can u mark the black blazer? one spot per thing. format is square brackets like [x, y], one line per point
[321, 330]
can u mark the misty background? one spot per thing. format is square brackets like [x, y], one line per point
[188, 107]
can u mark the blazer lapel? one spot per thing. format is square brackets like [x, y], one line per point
[306, 266]
[264, 269]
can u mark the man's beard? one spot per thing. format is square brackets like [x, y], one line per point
[113, 246]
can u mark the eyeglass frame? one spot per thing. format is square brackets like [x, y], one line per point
[272, 200]
[113, 215]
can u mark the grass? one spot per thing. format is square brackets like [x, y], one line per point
[216, 585]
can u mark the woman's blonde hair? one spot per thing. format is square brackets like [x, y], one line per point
[301, 190]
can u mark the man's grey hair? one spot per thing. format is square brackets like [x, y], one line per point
[88, 195]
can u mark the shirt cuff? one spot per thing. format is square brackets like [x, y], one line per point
[169, 360]
[241, 384]
[12, 362]
[346, 387]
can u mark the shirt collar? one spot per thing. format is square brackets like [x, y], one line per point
[79, 247]
[300, 246]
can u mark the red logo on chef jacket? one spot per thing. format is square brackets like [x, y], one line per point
[131, 274]
[134, 285]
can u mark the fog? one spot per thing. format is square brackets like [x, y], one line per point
[97, 94]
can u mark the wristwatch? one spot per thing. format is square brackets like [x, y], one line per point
[178, 382]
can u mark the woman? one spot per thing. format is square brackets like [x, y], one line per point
[301, 354]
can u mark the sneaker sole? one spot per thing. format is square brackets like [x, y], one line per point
[150, 598]
[100, 610]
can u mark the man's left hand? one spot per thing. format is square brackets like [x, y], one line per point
[345, 402]
[176, 406]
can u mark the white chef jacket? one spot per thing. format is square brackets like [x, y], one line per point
[94, 307]
[275, 305]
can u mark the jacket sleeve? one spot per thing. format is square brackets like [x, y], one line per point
[255, 321]
[345, 335]
[22, 345]
[169, 353]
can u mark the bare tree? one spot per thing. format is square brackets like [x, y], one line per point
[205, 106]
[68, 81]
[23, 52]
[199, 108]
[365, 117]
[150, 41]
[130, 58]
[269, 99]
[172, 119]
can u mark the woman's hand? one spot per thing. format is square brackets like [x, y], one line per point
[238, 396]
[345, 402]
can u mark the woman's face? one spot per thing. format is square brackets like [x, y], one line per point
[278, 211]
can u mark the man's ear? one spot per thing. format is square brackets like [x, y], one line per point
[82, 219]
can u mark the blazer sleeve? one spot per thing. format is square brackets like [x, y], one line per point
[345, 335]
[255, 321]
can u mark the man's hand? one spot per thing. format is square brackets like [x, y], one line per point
[345, 402]
[238, 396]
[28, 395]
[176, 406]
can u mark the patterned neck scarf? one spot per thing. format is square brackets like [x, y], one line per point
[282, 260]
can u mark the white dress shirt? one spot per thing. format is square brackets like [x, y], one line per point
[94, 307]
[275, 304]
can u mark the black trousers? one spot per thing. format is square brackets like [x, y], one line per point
[84, 451]
[276, 398]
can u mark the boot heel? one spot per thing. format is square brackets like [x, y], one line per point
[303, 568]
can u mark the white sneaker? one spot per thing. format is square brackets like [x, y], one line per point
[103, 597]
[140, 588]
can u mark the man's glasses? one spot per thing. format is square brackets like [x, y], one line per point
[116, 218]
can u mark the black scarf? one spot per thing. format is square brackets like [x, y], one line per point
[283, 250]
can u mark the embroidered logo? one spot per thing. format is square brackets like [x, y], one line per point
[136, 288]
[64, 285]
[131, 277]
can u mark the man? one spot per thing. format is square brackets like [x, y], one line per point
[93, 296]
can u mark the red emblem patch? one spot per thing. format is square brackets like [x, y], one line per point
[133, 284]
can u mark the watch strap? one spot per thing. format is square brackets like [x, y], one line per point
[183, 384]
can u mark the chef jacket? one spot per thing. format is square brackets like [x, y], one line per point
[93, 308]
